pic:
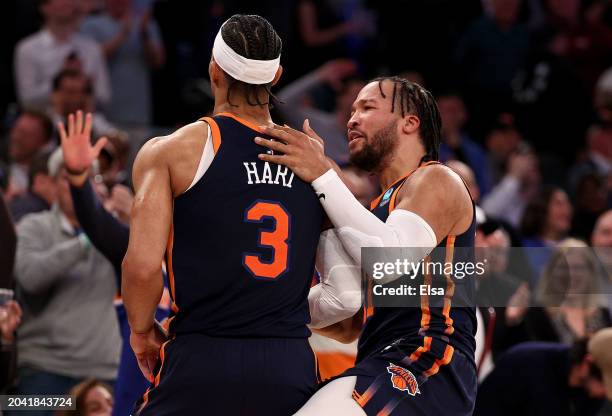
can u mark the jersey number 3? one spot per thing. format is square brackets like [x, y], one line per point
[275, 238]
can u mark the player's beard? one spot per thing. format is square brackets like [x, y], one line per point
[376, 150]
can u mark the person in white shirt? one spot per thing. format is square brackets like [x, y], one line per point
[39, 57]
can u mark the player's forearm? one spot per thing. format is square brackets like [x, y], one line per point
[358, 227]
[141, 290]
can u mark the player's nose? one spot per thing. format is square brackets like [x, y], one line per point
[353, 121]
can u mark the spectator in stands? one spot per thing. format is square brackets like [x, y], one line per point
[59, 346]
[456, 143]
[133, 48]
[39, 57]
[590, 203]
[569, 293]
[92, 398]
[598, 160]
[490, 54]
[31, 133]
[502, 140]
[73, 91]
[602, 233]
[540, 90]
[542, 379]
[295, 108]
[113, 160]
[601, 241]
[583, 39]
[546, 221]
[496, 287]
[321, 33]
[520, 183]
[42, 190]
[602, 98]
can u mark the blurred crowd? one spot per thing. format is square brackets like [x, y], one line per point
[524, 88]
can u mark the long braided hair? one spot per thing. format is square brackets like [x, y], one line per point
[410, 97]
[252, 37]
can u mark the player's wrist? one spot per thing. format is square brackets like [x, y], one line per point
[76, 178]
[323, 179]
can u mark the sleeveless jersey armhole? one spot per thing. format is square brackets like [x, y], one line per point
[208, 154]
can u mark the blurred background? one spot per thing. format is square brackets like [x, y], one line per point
[524, 88]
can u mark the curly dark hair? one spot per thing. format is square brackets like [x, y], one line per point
[412, 98]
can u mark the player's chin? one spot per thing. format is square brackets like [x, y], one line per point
[358, 158]
[356, 145]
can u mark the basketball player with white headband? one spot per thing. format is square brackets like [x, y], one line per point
[239, 237]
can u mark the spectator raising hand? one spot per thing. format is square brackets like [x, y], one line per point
[79, 153]
[334, 72]
[120, 203]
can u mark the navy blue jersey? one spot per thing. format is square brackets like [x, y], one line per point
[242, 249]
[437, 329]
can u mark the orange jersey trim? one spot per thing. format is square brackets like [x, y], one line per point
[169, 248]
[242, 121]
[145, 400]
[421, 350]
[363, 399]
[214, 132]
[450, 286]
[162, 357]
[425, 312]
[448, 356]
[375, 202]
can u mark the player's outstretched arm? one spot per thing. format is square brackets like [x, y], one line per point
[142, 282]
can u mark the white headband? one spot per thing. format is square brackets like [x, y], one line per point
[251, 71]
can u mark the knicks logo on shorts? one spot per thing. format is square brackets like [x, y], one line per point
[403, 379]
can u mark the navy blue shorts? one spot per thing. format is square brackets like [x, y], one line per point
[201, 375]
[415, 378]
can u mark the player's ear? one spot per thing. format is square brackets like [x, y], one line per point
[410, 124]
[279, 72]
[215, 72]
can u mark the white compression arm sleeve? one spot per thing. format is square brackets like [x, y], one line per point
[358, 227]
[338, 295]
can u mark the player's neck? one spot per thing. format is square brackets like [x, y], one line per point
[259, 115]
[399, 165]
